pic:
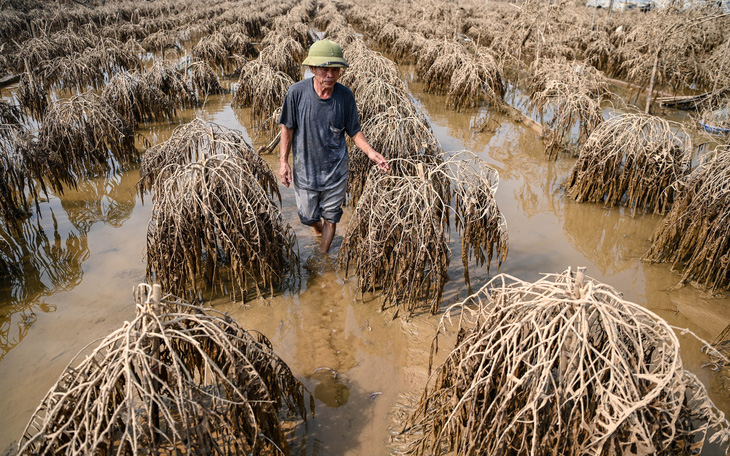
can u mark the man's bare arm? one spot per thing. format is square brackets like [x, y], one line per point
[285, 174]
[364, 146]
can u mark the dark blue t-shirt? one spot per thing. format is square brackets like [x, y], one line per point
[318, 146]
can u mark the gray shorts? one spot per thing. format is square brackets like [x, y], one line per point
[326, 204]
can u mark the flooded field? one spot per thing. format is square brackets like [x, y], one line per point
[360, 364]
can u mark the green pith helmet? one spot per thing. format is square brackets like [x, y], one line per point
[325, 53]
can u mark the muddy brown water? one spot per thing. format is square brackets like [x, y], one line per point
[94, 257]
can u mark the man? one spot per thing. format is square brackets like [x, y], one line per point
[316, 114]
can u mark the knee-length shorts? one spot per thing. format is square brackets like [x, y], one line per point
[314, 205]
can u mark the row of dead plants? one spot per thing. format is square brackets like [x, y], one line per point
[563, 356]
[176, 378]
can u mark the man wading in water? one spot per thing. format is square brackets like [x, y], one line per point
[317, 113]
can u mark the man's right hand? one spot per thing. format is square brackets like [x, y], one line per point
[285, 173]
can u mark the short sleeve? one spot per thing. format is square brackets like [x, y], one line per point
[352, 117]
[288, 116]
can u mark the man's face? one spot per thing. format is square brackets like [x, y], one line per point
[326, 77]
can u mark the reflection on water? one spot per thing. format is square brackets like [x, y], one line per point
[46, 254]
[330, 390]
[611, 238]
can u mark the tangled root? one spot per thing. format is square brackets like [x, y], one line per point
[176, 377]
[561, 366]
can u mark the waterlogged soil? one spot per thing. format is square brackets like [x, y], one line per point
[362, 366]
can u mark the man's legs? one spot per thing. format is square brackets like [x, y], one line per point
[328, 233]
[322, 210]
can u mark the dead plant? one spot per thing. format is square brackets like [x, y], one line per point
[176, 378]
[83, 136]
[195, 141]
[171, 81]
[32, 95]
[375, 96]
[132, 96]
[631, 160]
[395, 135]
[396, 239]
[212, 49]
[263, 88]
[572, 93]
[203, 80]
[563, 356]
[367, 66]
[283, 53]
[214, 225]
[694, 235]
[478, 81]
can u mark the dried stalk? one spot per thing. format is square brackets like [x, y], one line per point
[212, 224]
[631, 160]
[694, 235]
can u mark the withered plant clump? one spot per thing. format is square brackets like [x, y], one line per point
[213, 225]
[24, 166]
[263, 88]
[451, 57]
[631, 160]
[374, 96]
[221, 49]
[203, 80]
[407, 46]
[394, 134]
[367, 66]
[572, 92]
[84, 136]
[89, 68]
[173, 82]
[468, 79]
[295, 27]
[283, 53]
[14, 202]
[396, 239]
[477, 82]
[195, 141]
[563, 356]
[162, 41]
[693, 237]
[177, 377]
[212, 49]
[32, 95]
[132, 96]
